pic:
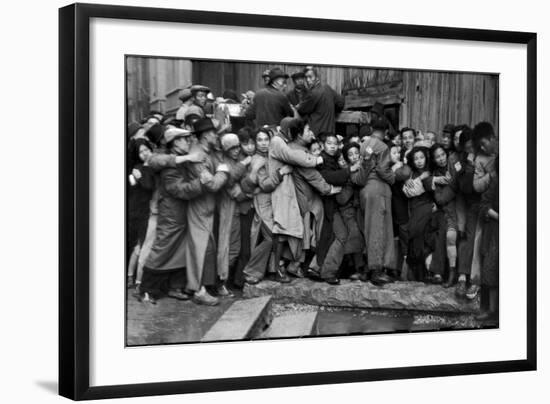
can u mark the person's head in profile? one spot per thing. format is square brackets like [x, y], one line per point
[278, 78]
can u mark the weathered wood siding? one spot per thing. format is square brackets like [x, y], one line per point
[426, 100]
[242, 76]
[433, 99]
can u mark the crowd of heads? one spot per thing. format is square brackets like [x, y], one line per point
[423, 151]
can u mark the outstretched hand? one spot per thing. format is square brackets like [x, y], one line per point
[286, 169]
[335, 190]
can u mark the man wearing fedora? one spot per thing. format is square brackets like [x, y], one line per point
[164, 270]
[296, 95]
[321, 103]
[201, 241]
[187, 99]
[270, 104]
[199, 97]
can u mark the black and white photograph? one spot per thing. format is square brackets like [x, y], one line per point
[271, 200]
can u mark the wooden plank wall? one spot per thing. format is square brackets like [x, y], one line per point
[357, 79]
[433, 99]
[429, 99]
[242, 76]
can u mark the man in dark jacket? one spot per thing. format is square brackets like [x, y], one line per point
[334, 234]
[321, 103]
[270, 104]
[164, 270]
[297, 94]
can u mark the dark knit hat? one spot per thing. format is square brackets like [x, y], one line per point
[202, 125]
[449, 128]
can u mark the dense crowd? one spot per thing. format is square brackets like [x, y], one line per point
[212, 206]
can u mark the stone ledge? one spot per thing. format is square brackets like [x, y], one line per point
[243, 320]
[415, 296]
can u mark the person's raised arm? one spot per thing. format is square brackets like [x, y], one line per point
[160, 161]
[179, 187]
[281, 151]
[316, 180]
[212, 182]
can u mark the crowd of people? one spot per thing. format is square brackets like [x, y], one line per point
[212, 206]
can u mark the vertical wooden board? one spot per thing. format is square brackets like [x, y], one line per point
[453, 115]
[478, 114]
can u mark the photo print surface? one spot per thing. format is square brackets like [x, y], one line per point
[276, 200]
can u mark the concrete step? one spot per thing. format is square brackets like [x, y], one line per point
[291, 325]
[243, 320]
[398, 295]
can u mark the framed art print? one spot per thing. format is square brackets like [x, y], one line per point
[291, 199]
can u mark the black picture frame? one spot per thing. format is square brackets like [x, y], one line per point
[74, 200]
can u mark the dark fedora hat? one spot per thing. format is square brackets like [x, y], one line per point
[378, 109]
[277, 72]
[202, 125]
[298, 75]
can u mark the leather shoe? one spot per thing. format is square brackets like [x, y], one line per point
[224, 292]
[313, 275]
[380, 278]
[251, 280]
[437, 279]
[295, 270]
[205, 299]
[332, 281]
[281, 276]
[176, 294]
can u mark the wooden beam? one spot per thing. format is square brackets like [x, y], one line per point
[357, 117]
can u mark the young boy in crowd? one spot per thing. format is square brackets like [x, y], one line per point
[335, 231]
[245, 207]
[316, 148]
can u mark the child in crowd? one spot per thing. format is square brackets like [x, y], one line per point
[417, 189]
[400, 209]
[444, 189]
[142, 185]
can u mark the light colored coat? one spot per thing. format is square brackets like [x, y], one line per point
[261, 185]
[200, 216]
[229, 232]
[376, 176]
[286, 212]
[175, 190]
[309, 184]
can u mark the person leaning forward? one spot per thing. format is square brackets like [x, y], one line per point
[270, 104]
[164, 268]
[201, 242]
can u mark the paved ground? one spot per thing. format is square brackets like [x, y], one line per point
[173, 321]
[170, 321]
